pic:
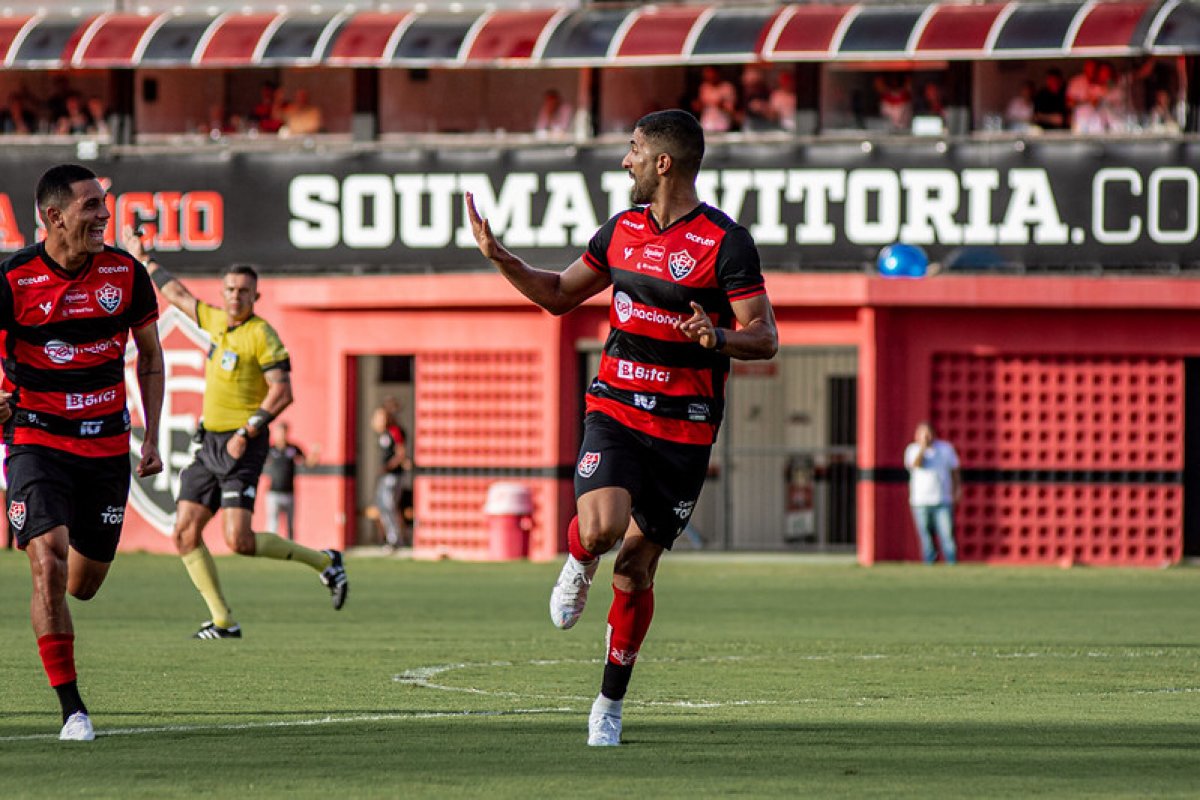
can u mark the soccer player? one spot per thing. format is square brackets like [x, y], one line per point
[683, 273]
[247, 383]
[68, 306]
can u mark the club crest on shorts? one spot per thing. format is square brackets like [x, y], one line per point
[588, 464]
[109, 297]
[681, 264]
[16, 514]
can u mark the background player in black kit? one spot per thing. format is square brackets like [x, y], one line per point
[67, 307]
[683, 275]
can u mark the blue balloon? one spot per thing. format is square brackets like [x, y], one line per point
[902, 261]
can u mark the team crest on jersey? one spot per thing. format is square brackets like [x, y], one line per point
[588, 464]
[681, 264]
[16, 514]
[109, 297]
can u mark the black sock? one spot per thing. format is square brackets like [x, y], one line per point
[69, 699]
[616, 680]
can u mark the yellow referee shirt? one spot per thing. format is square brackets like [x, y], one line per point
[234, 386]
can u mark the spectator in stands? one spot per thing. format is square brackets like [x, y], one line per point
[930, 103]
[99, 114]
[301, 117]
[267, 114]
[1080, 89]
[895, 101]
[1018, 115]
[1161, 116]
[716, 102]
[756, 112]
[76, 119]
[554, 116]
[17, 116]
[1050, 103]
[56, 103]
[783, 101]
[934, 488]
[1112, 91]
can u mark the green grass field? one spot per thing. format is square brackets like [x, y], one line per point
[761, 678]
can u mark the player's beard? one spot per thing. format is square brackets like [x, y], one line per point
[642, 191]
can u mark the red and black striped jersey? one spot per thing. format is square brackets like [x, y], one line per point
[652, 377]
[64, 348]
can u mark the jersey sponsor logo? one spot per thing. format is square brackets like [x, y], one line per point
[642, 266]
[16, 514]
[76, 297]
[700, 240]
[76, 401]
[46, 307]
[627, 309]
[108, 270]
[32, 280]
[698, 412]
[628, 252]
[681, 264]
[629, 371]
[249, 491]
[109, 297]
[646, 401]
[90, 427]
[654, 252]
[113, 515]
[59, 352]
[589, 462]
[637, 226]
[683, 509]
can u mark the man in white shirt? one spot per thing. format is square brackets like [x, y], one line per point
[934, 486]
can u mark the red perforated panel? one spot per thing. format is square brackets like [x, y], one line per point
[481, 410]
[1077, 458]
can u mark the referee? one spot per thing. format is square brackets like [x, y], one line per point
[247, 383]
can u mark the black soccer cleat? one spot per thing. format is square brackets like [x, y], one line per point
[334, 577]
[211, 631]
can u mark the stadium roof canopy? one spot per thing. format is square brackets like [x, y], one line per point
[602, 35]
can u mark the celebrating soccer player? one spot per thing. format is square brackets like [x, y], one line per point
[683, 273]
[67, 307]
[247, 383]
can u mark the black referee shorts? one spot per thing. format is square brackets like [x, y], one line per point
[49, 487]
[215, 480]
[664, 478]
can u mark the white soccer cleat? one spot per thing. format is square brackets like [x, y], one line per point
[571, 591]
[604, 723]
[77, 728]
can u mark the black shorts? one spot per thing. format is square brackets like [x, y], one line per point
[49, 487]
[215, 480]
[664, 478]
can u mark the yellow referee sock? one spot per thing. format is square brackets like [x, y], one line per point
[269, 545]
[203, 572]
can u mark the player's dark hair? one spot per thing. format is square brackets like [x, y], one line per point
[241, 269]
[679, 135]
[54, 187]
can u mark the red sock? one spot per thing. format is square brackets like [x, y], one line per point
[628, 620]
[58, 657]
[574, 546]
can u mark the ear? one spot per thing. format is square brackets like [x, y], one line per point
[663, 163]
[52, 217]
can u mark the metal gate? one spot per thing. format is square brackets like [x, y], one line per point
[783, 473]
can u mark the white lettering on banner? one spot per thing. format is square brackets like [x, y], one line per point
[864, 206]
[629, 371]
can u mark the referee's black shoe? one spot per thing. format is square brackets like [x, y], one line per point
[334, 577]
[209, 630]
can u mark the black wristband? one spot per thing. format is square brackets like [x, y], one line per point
[719, 335]
[161, 277]
[260, 419]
